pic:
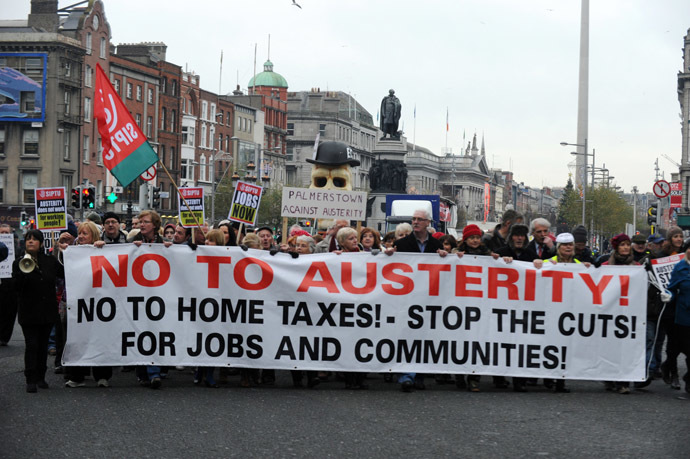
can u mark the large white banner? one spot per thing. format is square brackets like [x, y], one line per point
[221, 306]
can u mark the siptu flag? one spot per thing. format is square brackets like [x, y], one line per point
[126, 152]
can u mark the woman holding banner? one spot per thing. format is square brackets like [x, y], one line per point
[669, 368]
[347, 240]
[35, 278]
[679, 290]
[89, 234]
[621, 255]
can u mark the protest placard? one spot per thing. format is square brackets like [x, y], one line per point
[51, 208]
[245, 203]
[6, 264]
[322, 203]
[220, 306]
[663, 267]
[195, 200]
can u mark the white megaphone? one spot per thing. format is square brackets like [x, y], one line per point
[27, 264]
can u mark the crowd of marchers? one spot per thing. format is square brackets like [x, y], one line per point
[35, 296]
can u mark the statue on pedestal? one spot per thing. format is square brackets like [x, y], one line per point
[390, 116]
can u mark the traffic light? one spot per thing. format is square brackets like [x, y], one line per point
[88, 197]
[76, 197]
[23, 220]
[651, 213]
[154, 197]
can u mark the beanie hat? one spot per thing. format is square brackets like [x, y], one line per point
[618, 239]
[94, 217]
[639, 239]
[108, 215]
[437, 235]
[580, 234]
[471, 230]
[518, 229]
[672, 231]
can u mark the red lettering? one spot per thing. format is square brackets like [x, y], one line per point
[406, 284]
[99, 264]
[434, 275]
[596, 289]
[557, 287]
[347, 279]
[241, 270]
[309, 281]
[530, 284]
[462, 280]
[511, 278]
[213, 268]
[163, 270]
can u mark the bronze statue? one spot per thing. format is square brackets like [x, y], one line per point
[390, 115]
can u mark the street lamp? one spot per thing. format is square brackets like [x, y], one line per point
[584, 174]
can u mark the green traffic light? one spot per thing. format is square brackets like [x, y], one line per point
[112, 197]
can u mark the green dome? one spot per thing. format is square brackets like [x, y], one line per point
[268, 78]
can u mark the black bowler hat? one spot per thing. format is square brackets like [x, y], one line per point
[334, 154]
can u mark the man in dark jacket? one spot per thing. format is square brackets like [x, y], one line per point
[111, 229]
[496, 239]
[542, 244]
[420, 241]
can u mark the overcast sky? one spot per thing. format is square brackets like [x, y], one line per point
[505, 69]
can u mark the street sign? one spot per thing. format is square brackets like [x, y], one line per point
[150, 174]
[661, 189]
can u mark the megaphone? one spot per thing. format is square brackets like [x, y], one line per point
[27, 264]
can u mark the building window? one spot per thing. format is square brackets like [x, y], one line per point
[88, 43]
[138, 118]
[103, 48]
[149, 126]
[243, 124]
[2, 186]
[31, 142]
[116, 85]
[150, 95]
[202, 168]
[173, 120]
[138, 92]
[188, 135]
[2, 141]
[68, 101]
[85, 150]
[68, 69]
[187, 170]
[129, 90]
[173, 88]
[67, 181]
[291, 129]
[66, 139]
[322, 129]
[99, 146]
[164, 85]
[87, 109]
[203, 135]
[172, 160]
[88, 76]
[29, 184]
[213, 113]
[290, 153]
[164, 114]
[249, 126]
[204, 110]
[28, 101]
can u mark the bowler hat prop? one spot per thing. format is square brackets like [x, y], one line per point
[334, 154]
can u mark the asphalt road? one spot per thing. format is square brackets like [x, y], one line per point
[182, 420]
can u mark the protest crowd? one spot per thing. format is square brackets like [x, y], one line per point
[36, 294]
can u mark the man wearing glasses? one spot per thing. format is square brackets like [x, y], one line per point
[419, 240]
[111, 229]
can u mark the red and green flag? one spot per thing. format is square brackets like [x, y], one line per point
[126, 152]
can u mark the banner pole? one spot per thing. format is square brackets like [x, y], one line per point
[285, 228]
[196, 220]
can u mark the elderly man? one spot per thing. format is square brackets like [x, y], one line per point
[542, 244]
[419, 241]
[266, 238]
[496, 239]
[654, 242]
[111, 229]
[639, 247]
[329, 244]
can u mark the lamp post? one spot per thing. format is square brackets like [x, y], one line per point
[584, 173]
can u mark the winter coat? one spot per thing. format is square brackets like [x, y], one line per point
[680, 288]
[36, 296]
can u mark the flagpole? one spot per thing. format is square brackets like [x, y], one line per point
[446, 151]
[414, 129]
[196, 220]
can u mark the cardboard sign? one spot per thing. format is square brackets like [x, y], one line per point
[195, 199]
[245, 203]
[323, 203]
[663, 267]
[51, 208]
[6, 264]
